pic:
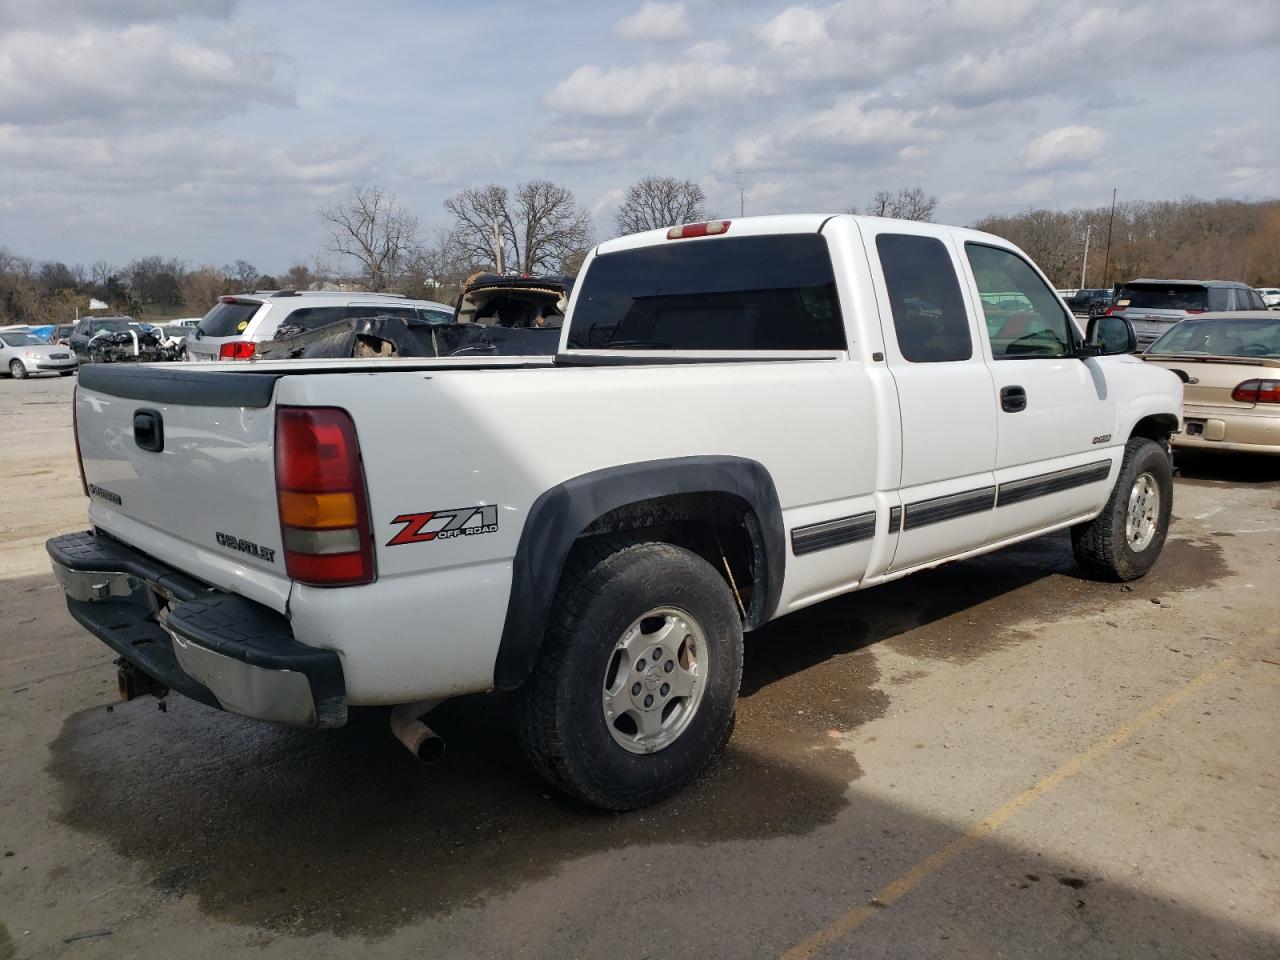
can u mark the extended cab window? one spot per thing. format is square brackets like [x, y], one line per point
[1024, 317]
[722, 293]
[924, 294]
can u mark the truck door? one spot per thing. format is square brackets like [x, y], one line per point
[1056, 452]
[944, 387]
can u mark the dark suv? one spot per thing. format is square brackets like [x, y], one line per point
[1153, 306]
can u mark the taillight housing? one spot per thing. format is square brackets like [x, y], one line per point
[1257, 391]
[237, 350]
[324, 512]
[75, 432]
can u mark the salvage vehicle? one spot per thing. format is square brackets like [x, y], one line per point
[1230, 363]
[743, 418]
[120, 340]
[234, 327]
[22, 353]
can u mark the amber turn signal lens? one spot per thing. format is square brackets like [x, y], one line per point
[317, 511]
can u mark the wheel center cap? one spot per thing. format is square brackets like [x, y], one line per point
[653, 675]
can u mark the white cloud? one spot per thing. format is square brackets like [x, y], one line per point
[1062, 147]
[139, 73]
[655, 22]
[651, 89]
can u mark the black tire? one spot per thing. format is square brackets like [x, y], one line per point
[17, 370]
[559, 717]
[1101, 545]
[65, 373]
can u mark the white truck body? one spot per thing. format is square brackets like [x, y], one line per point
[880, 466]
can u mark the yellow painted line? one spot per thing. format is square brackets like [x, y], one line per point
[893, 892]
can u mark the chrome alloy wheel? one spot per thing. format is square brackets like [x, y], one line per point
[1144, 509]
[654, 680]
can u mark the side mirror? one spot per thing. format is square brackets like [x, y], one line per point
[1109, 336]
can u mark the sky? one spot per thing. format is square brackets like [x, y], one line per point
[214, 130]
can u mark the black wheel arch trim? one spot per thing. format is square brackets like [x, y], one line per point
[559, 516]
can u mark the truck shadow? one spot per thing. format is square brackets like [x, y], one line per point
[1210, 469]
[343, 832]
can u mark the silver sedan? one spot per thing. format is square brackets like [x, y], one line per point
[22, 354]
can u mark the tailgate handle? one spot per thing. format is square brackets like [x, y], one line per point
[148, 430]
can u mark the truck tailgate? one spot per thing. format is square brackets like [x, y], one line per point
[180, 465]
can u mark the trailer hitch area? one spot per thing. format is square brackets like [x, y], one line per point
[133, 683]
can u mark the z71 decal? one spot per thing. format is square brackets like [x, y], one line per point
[445, 524]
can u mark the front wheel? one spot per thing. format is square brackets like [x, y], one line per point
[635, 685]
[17, 370]
[1124, 541]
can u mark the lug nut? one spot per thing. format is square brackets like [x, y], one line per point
[640, 665]
[648, 699]
[669, 666]
[635, 689]
[657, 654]
[664, 689]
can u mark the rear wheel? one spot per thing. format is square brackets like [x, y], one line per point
[17, 370]
[1124, 541]
[635, 685]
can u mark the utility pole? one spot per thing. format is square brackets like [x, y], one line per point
[1106, 263]
[742, 197]
[1084, 267]
[498, 251]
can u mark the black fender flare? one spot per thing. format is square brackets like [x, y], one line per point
[560, 515]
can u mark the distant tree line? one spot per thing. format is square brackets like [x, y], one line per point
[376, 243]
[1168, 239]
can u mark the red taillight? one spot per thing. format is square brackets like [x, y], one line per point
[227, 299]
[237, 350]
[1110, 312]
[75, 432]
[1257, 391]
[324, 513]
[709, 229]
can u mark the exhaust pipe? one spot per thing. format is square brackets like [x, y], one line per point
[419, 739]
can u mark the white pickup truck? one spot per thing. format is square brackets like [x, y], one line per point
[742, 419]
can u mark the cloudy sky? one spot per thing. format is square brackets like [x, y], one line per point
[213, 129]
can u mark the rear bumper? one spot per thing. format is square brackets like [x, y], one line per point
[1206, 428]
[217, 648]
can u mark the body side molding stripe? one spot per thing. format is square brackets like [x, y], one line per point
[1017, 491]
[951, 507]
[833, 533]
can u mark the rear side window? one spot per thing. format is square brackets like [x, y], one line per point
[228, 319]
[308, 318]
[374, 310]
[924, 295]
[724, 293]
[1162, 296]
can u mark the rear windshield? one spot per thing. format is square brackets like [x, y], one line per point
[1222, 338]
[723, 293]
[1162, 296]
[228, 319]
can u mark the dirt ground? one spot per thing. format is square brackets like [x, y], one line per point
[995, 759]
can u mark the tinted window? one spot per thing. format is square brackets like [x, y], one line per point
[722, 293]
[924, 294]
[1162, 296]
[1222, 338]
[308, 318]
[1024, 318]
[375, 310]
[228, 319]
[436, 317]
[21, 340]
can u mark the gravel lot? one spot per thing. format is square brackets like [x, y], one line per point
[994, 759]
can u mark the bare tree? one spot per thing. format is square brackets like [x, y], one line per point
[299, 277]
[906, 203]
[654, 202]
[202, 287]
[242, 274]
[537, 227]
[372, 228]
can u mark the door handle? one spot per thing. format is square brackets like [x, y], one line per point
[148, 430]
[1013, 399]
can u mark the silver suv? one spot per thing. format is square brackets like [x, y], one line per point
[236, 324]
[1153, 306]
